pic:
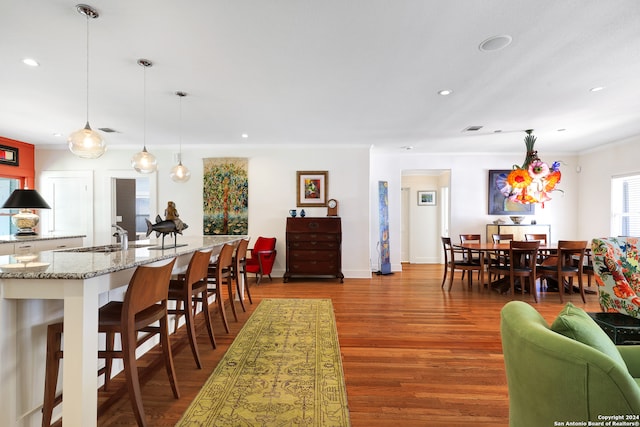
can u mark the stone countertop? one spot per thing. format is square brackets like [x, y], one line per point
[78, 263]
[13, 239]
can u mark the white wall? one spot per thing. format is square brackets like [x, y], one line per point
[597, 167]
[469, 191]
[272, 190]
[582, 211]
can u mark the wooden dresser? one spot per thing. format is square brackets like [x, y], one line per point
[314, 247]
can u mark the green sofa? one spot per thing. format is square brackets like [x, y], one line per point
[567, 372]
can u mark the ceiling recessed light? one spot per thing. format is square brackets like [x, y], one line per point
[596, 89]
[407, 147]
[445, 92]
[245, 136]
[472, 128]
[561, 130]
[495, 43]
[30, 62]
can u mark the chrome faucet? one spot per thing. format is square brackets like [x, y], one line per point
[122, 237]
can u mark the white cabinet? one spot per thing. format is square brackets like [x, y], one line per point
[39, 245]
[518, 230]
[7, 249]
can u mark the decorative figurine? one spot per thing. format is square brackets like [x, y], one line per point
[171, 225]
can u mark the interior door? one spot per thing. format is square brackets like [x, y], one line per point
[126, 205]
[70, 195]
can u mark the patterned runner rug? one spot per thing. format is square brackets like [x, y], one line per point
[283, 369]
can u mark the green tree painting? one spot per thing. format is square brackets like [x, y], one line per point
[225, 196]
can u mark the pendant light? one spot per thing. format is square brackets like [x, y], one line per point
[86, 142]
[180, 173]
[144, 162]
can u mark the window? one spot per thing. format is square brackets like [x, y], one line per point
[7, 186]
[625, 205]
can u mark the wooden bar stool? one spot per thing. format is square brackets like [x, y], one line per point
[220, 272]
[145, 303]
[183, 290]
[240, 270]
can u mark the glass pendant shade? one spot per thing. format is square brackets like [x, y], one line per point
[144, 162]
[180, 173]
[86, 143]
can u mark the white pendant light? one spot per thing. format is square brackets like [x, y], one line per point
[144, 162]
[86, 142]
[180, 173]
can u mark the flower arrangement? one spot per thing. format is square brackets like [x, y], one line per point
[533, 181]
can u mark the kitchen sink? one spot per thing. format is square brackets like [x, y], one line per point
[106, 248]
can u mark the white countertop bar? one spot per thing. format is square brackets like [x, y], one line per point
[78, 278]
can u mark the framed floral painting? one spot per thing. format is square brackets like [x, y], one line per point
[311, 188]
[499, 204]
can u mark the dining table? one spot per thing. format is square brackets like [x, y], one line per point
[485, 248]
[78, 277]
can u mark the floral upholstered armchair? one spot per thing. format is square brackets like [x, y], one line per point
[616, 266]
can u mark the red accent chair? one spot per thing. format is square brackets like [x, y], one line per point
[262, 257]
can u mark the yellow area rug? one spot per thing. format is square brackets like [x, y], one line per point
[283, 369]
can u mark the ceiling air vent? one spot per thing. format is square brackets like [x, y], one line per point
[108, 130]
[472, 129]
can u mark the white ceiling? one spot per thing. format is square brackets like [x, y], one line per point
[324, 72]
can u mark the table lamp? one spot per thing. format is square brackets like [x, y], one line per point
[25, 200]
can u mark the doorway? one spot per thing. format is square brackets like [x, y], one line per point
[132, 201]
[422, 224]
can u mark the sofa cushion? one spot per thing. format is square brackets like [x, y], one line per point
[575, 323]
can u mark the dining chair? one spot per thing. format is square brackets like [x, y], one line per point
[522, 258]
[183, 290]
[547, 257]
[501, 258]
[569, 260]
[469, 255]
[144, 305]
[453, 262]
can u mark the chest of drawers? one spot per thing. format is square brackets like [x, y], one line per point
[314, 247]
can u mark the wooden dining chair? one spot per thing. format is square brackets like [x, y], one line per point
[501, 258]
[522, 259]
[469, 255]
[183, 290]
[569, 260]
[453, 262]
[547, 257]
[144, 305]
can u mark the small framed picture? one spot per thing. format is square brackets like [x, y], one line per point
[426, 198]
[8, 155]
[311, 188]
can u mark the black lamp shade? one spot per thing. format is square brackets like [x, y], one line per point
[25, 199]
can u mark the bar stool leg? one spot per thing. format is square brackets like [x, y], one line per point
[52, 369]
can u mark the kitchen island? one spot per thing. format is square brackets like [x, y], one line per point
[79, 277]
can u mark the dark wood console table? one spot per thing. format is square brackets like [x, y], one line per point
[314, 247]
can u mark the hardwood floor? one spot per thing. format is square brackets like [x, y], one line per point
[413, 354]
